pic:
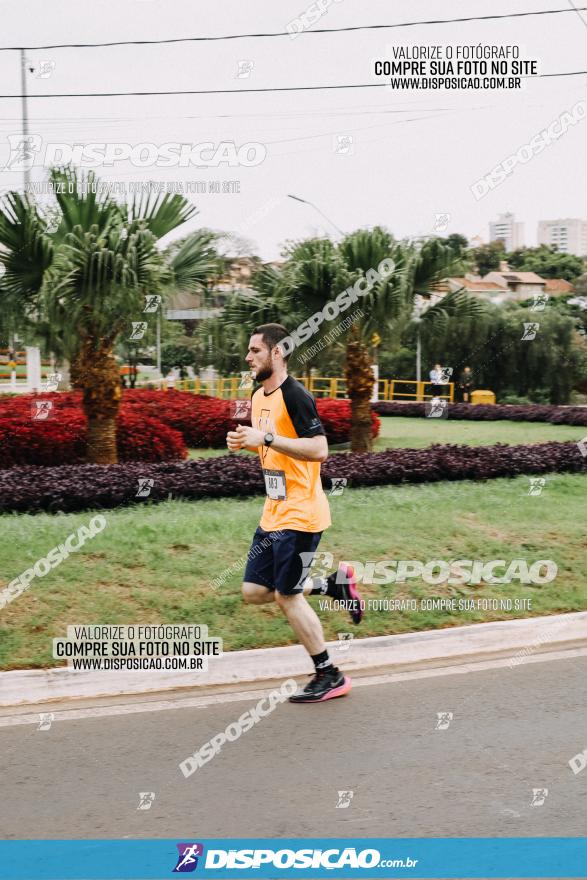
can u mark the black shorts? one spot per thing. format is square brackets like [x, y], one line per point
[274, 559]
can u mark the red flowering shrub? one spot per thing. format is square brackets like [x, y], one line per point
[61, 438]
[152, 426]
[335, 415]
[202, 421]
[52, 442]
[141, 438]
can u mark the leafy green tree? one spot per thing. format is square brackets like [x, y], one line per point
[546, 262]
[487, 257]
[457, 242]
[580, 285]
[82, 285]
[316, 271]
[545, 368]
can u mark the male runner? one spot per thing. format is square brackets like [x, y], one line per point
[290, 440]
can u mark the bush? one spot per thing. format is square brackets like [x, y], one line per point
[48, 443]
[556, 415]
[335, 416]
[140, 438]
[151, 426]
[82, 487]
[61, 439]
[539, 396]
[201, 420]
[204, 421]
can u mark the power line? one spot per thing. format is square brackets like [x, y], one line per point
[363, 27]
[250, 91]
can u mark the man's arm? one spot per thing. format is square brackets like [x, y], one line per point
[300, 448]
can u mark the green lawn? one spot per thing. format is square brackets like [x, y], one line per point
[417, 433]
[155, 563]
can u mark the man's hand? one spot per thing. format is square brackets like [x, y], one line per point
[250, 438]
[234, 441]
[244, 437]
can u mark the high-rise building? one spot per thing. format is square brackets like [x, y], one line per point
[569, 236]
[507, 230]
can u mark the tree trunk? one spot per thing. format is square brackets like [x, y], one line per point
[361, 430]
[359, 382]
[95, 372]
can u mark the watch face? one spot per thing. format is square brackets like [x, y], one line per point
[269, 437]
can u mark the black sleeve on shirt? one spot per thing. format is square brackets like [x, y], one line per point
[301, 408]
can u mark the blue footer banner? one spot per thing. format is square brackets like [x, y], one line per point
[482, 857]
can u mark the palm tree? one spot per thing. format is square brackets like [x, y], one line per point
[315, 272]
[84, 283]
[390, 307]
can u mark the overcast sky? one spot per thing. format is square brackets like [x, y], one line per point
[414, 154]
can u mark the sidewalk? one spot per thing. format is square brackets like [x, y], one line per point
[516, 639]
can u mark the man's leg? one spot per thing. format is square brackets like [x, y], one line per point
[257, 585]
[293, 551]
[257, 594]
[340, 585]
[304, 621]
[329, 682]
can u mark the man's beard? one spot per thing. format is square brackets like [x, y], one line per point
[264, 373]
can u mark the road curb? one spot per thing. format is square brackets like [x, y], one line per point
[515, 639]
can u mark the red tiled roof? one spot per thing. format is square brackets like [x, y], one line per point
[558, 285]
[523, 277]
[478, 285]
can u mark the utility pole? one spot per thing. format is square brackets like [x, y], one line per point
[316, 208]
[25, 118]
[159, 340]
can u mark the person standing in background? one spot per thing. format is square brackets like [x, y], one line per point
[466, 385]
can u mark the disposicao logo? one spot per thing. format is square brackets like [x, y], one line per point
[187, 860]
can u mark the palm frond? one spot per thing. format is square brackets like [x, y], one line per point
[160, 212]
[82, 201]
[195, 262]
[27, 249]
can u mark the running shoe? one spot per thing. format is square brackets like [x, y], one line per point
[350, 593]
[326, 685]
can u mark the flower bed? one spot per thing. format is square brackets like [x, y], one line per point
[81, 487]
[61, 439]
[556, 415]
[152, 426]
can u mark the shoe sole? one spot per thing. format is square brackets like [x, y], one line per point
[356, 616]
[340, 691]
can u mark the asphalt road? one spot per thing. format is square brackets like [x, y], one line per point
[512, 731]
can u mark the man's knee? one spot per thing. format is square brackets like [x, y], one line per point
[288, 601]
[256, 594]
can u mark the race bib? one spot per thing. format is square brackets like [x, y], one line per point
[275, 484]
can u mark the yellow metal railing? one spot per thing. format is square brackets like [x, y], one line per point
[420, 393]
[319, 386]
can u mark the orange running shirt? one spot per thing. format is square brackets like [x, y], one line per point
[295, 498]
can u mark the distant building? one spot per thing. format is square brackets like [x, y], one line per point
[569, 236]
[187, 306]
[507, 230]
[500, 287]
[522, 284]
[558, 287]
[493, 291]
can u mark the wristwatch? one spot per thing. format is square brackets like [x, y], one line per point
[268, 438]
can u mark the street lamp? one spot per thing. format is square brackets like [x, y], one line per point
[316, 208]
[419, 309]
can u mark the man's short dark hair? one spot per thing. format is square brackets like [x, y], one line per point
[272, 334]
